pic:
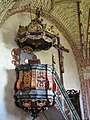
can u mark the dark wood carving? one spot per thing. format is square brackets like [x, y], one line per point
[74, 97]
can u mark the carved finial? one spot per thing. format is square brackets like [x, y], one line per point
[38, 12]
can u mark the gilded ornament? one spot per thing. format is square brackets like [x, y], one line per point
[22, 40]
[27, 49]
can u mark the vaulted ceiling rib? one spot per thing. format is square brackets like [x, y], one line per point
[64, 11]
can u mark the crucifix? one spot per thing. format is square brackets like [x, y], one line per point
[60, 50]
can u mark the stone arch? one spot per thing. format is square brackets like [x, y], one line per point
[61, 27]
[46, 15]
[57, 23]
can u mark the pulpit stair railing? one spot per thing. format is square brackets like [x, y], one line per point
[63, 101]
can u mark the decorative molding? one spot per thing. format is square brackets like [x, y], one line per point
[76, 49]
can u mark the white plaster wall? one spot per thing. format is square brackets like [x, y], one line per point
[8, 111]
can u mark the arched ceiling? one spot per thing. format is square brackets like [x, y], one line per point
[70, 16]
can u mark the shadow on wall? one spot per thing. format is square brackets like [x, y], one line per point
[8, 38]
[11, 109]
